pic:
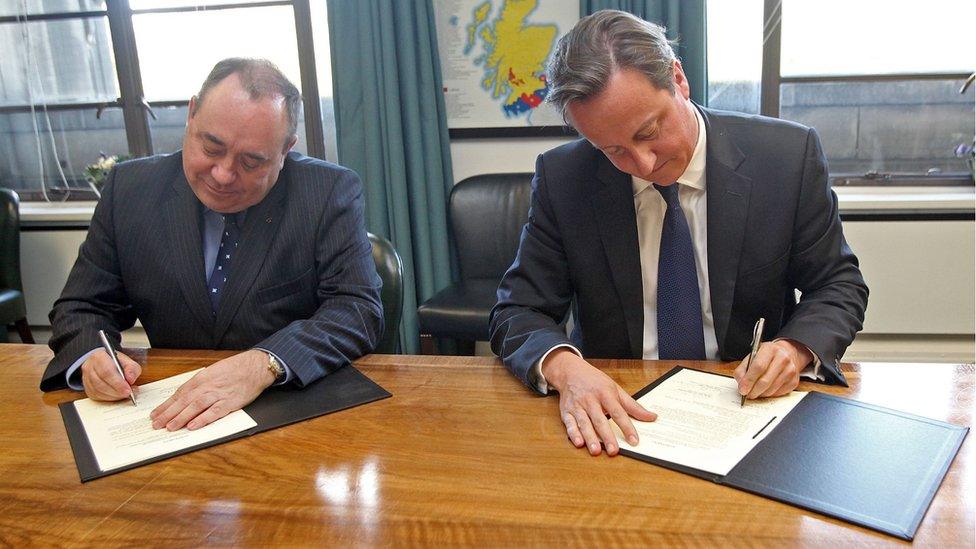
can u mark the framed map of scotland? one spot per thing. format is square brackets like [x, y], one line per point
[493, 56]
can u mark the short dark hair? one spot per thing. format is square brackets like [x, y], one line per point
[601, 43]
[260, 78]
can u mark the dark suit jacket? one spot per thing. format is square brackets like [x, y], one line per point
[773, 226]
[304, 285]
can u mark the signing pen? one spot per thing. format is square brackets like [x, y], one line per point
[115, 359]
[756, 341]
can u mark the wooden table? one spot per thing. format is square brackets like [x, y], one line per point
[462, 454]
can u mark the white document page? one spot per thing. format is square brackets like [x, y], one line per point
[121, 434]
[700, 423]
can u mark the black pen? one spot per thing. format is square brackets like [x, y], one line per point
[756, 341]
[111, 352]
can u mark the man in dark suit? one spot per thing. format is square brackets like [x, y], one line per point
[671, 229]
[232, 243]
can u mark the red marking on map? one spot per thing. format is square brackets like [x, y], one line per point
[514, 79]
[532, 100]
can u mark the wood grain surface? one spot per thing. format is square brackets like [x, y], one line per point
[462, 455]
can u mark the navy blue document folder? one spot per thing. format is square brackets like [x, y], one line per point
[276, 407]
[865, 464]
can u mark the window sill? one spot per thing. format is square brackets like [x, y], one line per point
[56, 214]
[929, 199]
[852, 200]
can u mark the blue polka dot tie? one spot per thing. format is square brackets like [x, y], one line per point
[225, 253]
[679, 319]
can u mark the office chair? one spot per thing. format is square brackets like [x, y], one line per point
[390, 269]
[486, 213]
[13, 307]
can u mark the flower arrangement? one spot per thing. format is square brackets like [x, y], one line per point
[96, 173]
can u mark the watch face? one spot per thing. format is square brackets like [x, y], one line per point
[276, 368]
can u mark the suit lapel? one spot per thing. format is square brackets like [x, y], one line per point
[182, 226]
[728, 209]
[613, 206]
[260, 226]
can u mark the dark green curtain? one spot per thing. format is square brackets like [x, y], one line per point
[391, 128]
[685, 21]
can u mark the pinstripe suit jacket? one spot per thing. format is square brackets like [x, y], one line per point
[303, 286]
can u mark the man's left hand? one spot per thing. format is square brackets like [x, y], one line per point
[775, 371]
[221, 388]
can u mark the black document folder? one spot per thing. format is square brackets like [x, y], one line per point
[276, 407]
[861, 463]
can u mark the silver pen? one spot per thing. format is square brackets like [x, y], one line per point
[756, 341]
[111, 352]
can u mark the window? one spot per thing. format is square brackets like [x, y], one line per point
[69, 93]
[734, 34]
[880, 81]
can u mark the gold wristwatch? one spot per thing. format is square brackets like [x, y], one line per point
[276, 368]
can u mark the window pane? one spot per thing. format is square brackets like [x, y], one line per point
[30, 155]
[174, 69]
[832, 37]
[167, 130]
[895, 127]
[153, 4]
[734, 54]
[60, 61]
[34, 7]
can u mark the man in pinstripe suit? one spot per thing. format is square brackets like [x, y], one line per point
[232, 243]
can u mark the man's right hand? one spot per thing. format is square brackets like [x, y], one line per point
[103, 382]
[586, 397]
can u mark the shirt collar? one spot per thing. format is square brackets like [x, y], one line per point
[694, 174]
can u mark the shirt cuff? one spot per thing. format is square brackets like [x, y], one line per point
[535, 373]
[812, 371]
[288, 375]
[76, 382]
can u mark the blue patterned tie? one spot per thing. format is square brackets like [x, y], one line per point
[679, 319]
[225, 253]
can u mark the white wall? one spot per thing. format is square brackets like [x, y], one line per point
[476, 156]
[46, 258]
[920, 274]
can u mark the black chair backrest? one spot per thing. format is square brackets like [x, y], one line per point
[487, 214]
[390, 269]
[9, 240]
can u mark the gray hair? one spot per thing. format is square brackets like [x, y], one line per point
[260, 78]
[601, 44]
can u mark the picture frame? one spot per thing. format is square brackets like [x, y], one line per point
[493, 55]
